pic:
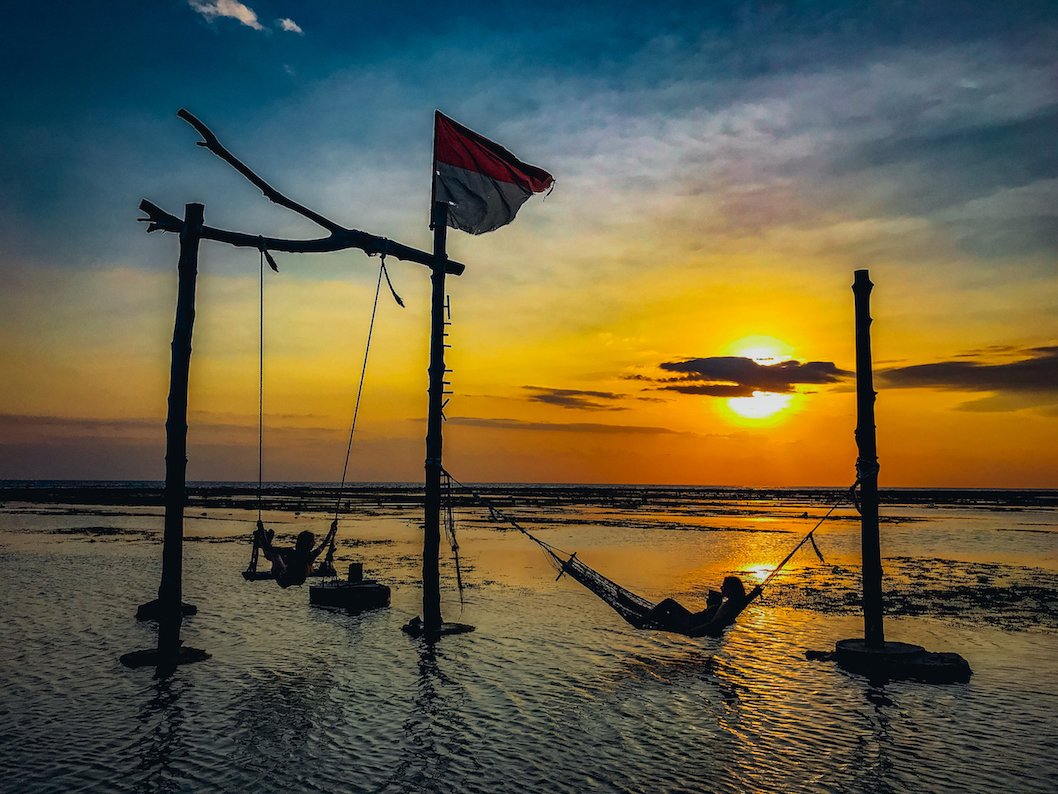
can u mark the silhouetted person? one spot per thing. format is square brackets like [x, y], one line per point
[291, 566]
[720, 611]
[673, 615]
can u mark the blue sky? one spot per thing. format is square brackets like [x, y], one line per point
[957, 94]
[747, 153]
[88, 71]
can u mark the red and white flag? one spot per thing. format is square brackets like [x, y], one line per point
[483, 184]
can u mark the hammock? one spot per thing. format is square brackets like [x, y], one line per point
[632, 607]
[635, 609]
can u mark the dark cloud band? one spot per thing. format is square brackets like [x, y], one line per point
[576, 398]
[557, 427]
[737, 376]
[1038, 372]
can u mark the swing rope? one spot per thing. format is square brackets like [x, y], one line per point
[327, 566]
[260, 390]
[450, 532]
[328, 562]
[251, 569]
[360, 388]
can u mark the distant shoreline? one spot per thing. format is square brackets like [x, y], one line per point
[321, 496]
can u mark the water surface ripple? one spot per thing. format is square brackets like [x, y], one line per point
[552, 692]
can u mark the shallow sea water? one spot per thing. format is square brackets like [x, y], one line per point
[553, 692]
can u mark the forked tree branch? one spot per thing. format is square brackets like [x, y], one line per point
[209, 141]
[159, 220]
[339, 239]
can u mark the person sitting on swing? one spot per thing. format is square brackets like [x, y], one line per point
[721, 609]
[291, 566]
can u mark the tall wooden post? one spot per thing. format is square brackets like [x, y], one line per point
[170, 591]
[867, 466]
[169, 609]
[871, 655]
[431, 580]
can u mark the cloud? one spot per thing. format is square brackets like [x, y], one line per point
[557, 427]
[1037, 373]
[576, 398]
[290, 26]
[221, 448]
[736, 376]
[26, 427]
[232, 9]
[1041, 403]
[12, 425]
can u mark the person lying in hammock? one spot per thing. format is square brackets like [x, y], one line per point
[291, 566]
[720, 611]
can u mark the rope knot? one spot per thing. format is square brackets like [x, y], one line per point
[266, 257]
[866, 468]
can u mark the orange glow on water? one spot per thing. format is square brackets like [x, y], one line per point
[756, 572]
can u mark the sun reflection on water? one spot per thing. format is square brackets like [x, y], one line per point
[755, 573]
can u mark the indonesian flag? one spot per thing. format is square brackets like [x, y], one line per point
[482, 183]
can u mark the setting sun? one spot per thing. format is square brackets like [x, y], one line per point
[762, 349]
[766, 351]
[761, 405]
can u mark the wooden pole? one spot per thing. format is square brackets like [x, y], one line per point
[431, 580]
[867, 466]
[170, 591]
[872, 655]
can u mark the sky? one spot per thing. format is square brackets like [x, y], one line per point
[677, 311]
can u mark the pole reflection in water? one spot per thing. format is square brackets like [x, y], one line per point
[162, 739]
[435, 736]
[282, 717]
[869, 762]
[437, 740]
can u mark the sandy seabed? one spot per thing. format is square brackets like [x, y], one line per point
[553, 692]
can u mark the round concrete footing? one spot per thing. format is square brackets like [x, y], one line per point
[900, 660]
[151, 658]
[416, 628]
[354, 596]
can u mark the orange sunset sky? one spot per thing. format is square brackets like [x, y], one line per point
[678, 310]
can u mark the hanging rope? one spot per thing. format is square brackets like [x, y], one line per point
[809, 538]
[496, 513]
[260, 394]
[327, 566]
[251, 569]
[363, 372]
[450, 532]
[385, 272]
